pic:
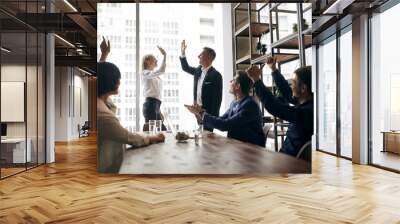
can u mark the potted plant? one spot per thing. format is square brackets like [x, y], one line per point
[264, 48]
[259, 47]
[305, 26]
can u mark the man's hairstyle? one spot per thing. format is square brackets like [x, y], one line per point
[210, 52]
[304, 75]
[145, 59]
[244, 81]
[108, 76]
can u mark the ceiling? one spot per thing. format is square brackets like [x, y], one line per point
[74, 21]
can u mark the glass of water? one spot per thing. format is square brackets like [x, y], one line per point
[200, 130]
[152, 126]
[158, 126]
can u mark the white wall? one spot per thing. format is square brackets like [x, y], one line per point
[33, 126]
[16, 73]
[226, 46]
[71, 87]
[12, 73]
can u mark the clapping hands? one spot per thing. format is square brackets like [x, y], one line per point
[195, 109]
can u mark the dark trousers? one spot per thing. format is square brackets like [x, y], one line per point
[151, 111]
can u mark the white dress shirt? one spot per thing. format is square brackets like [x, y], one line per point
[152, 83]
[200, 83]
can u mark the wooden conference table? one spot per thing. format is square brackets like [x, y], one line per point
[214, 154]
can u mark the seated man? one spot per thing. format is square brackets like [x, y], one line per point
[299, 116]
[243, 119]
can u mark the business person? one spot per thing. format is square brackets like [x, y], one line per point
[152, 88]
[111, 136]
[300, 116]
[243, 119]
[207, 90]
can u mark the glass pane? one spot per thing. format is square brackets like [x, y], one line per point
[13, 86]
[346, 94]
[117, 23]
[264, 12]
[168, 31]
[307, 15]
[287, 21]
[327, 96]
[308, 53]
[385, 84]
[288, 69]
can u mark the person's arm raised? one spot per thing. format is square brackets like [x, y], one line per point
[161, 70]
[105, 48]
[184, 64]
[163, 63]
[280, 81]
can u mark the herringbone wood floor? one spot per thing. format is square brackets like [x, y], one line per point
[70, 191]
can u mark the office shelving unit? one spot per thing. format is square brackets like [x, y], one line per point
[248, 31]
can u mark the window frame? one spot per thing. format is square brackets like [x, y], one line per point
[326, 37]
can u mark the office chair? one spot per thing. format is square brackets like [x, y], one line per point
[84, 130]
[305, 152]
[269, 132]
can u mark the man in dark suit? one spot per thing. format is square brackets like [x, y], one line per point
[300, 116]
[207, 91]
[243, 119]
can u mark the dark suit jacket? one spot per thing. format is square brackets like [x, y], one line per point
[211, 91]
[242, 120]
[300, 116]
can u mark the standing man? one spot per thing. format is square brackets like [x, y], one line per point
[207, 91]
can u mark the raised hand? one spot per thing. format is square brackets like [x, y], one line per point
[194, 109]
[183, 47]
[254, 73]
[105, 48]
[190, 108]
[271, 62]
[162, 50]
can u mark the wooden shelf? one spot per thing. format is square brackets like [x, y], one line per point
[280, 58]
[247, 59]
[292, 41]
[322, 23]
[257, 29]
[244, 6]
[243, 31]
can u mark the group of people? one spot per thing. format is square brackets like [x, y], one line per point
[242, 121]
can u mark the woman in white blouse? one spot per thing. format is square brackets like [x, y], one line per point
[111, 136]
[152, 87]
